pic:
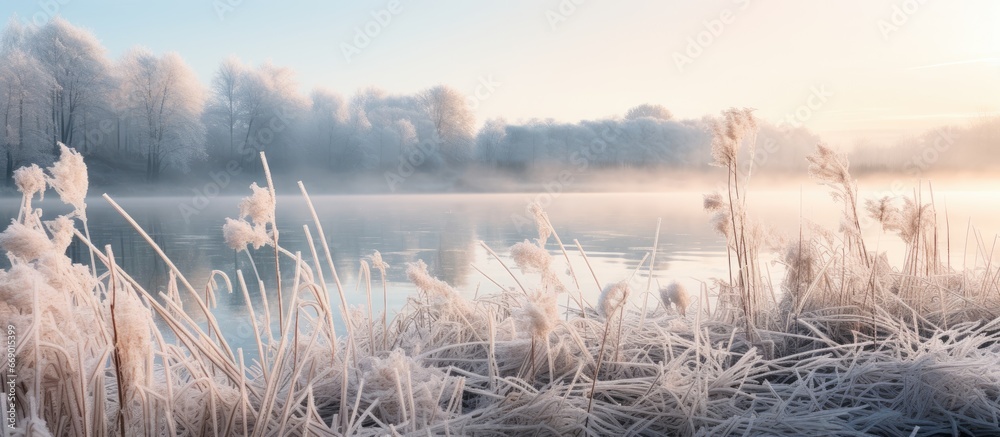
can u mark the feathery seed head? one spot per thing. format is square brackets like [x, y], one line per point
[675, 294]
[714, 202]
[541, 220]
[240, 233]
[729, 133]
[259, 207]
[612, 298]
[540, 312]
[134, 338]
[30, 180]
[530, 257]
[830, 167]
[722, 223]
[435, 289]
[62, 232]
[377, 262]
[69, 178]
[24, 242]
[883, 211]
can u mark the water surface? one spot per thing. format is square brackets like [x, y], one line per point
[615, 229]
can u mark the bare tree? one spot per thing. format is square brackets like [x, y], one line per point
[251, 108]
[453, 121]
[22, 87]
[489, 141]
[326, 126]
[222, 111]
[166, 98]
[81, 72]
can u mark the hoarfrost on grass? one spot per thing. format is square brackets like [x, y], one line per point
[677, 295]
[259, 207]
[26, 243]
[69, 179]
[30, 181]
[878, 351]
[612, 298]
[240, 233]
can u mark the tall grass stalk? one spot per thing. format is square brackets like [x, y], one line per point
[329, 260]
[274, 235]
[652, 264]
[444, 364]
[504, 265]
[119, 378]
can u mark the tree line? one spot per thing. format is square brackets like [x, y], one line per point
[147, 114]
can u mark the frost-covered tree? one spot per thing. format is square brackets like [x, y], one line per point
[222, 110]
[325, 126]
[398, 138]
[166, 100]
[454, 123]
[273, 129]
[489, 141]
[253, 110]
[81, 73]
[590, 144]
[378, 131]
[22, 90]
[658, 112]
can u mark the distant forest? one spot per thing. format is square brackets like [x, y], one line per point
[146, 119]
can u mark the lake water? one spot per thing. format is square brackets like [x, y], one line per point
[615, 229]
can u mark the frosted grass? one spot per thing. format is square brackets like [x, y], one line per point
[843, 345]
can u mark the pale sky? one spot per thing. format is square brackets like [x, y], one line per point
[875, 69]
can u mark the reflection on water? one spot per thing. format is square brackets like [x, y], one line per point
[615, 229]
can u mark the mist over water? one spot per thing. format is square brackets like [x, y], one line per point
[538, 218]
[615, 229]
